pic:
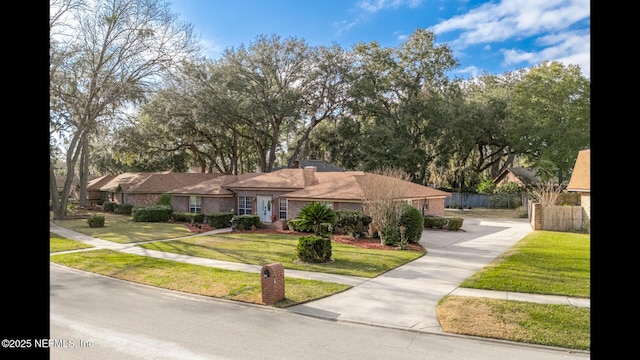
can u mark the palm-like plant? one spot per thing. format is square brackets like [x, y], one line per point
[314, 214]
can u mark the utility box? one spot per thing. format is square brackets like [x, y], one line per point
[272, 281]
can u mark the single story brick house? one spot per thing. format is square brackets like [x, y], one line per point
[276, 196]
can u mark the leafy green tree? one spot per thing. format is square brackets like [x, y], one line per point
[487, 186]
[549, 117]
[396, 95]
[314, 215]
[509, 187]
[105, 56]
[284, 87]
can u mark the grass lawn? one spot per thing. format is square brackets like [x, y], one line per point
[542, 324]
[59, 243]
[543, 262]
[261, 249]
[194, 279]
[122, 229]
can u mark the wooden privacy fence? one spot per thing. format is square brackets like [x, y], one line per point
[558, 218]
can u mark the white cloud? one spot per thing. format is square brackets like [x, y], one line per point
[373, 6]
[471, 70]
[367, 8]
[512, 19]
[567, 48]
[212, 50]
[547, 22]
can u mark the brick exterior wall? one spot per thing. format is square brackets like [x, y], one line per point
[535, 215]
[180, 203]
[435, 207]
[141, 199]
[209, 205]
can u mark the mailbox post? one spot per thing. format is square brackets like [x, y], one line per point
[272, 281]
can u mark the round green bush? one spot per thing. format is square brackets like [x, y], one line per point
[314, 249]
[96, 221]
[412, 220]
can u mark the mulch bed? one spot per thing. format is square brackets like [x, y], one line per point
[199, 228]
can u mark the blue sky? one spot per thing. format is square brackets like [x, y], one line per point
[492, 36]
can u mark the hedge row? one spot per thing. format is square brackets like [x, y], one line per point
[443, 223]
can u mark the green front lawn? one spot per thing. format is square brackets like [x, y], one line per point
[193, 279]
[262, 249]
[122, 229]
[544, 262]
[59, 243]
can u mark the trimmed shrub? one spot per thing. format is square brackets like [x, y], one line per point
[222, 219]
[109, 206]
[435, 222]
[123, 209]
[352, 222]
[314, 249]
[454, 224]
[413, 221]
[151, 213]
[391, 235]
[96, 221]
[247, 222]
[443, 223]
[187, 217]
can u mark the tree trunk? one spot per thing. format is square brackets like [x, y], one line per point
[84, 172]
[56, 208]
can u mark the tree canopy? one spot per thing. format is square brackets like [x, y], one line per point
[131, 92]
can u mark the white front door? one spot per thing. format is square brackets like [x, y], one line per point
[264, 208]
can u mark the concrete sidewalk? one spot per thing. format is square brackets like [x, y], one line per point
[405, 297]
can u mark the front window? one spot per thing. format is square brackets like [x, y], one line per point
[244, 205]
[194, 204]
[283, 209]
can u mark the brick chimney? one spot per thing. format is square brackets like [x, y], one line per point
[310, 175]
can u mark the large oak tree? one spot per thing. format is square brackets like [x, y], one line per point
[106, 55]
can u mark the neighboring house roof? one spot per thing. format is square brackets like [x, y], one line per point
[581, 175]
[525, 176]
